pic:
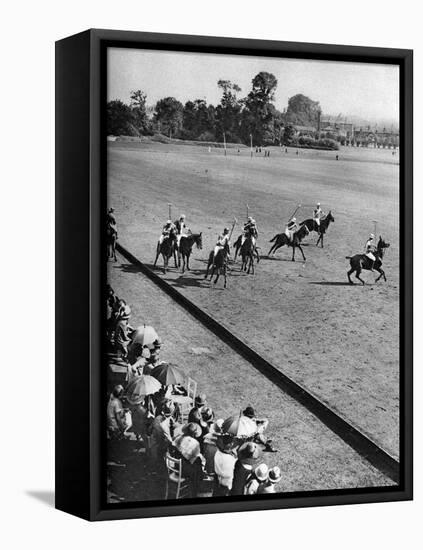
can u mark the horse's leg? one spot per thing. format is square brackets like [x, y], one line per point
[302, 253]
[319, 239]
[256, 252]
[349, 273]
[187, 260]
[357, 274]
[224, 277]
[382, 274]
[174, 257]
[293, 253]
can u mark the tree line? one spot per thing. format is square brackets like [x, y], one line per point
[235, 119]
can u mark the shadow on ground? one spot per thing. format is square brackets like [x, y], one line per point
[46, 497]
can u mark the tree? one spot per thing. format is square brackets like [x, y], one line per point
[120, 119]
[169, 115]
[139, 109]
[260, 118]
[228, 112]
[303, 111]
[198, 119]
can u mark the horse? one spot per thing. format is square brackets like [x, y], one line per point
[185, 248]
[361, 261]
[218, 264]
[247, 252]
[238, 244]
[281, 239]
[167, 249]
[320, 229]
[111, 239]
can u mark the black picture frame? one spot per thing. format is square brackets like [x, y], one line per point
[80, 271]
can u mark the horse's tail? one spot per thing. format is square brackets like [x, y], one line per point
[274, 239]
[348, 257]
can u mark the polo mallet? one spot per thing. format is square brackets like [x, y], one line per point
[374, 228]
[170, 210]
[233, 227]
[248, 211]
[295, 211]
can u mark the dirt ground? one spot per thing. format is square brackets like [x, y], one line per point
[310, 455]
[339, 341]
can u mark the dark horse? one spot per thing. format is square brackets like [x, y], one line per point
[238, 244]
[167, 249]
[248, 252]
[185, 248]
[361, 261]
[320, 229]
[218, 264]
[281, 239]
[111, 243]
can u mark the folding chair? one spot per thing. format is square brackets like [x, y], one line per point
[192, 389]
[174, 477]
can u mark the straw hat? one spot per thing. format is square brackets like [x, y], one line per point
[262, 472]
[249, 453]
[275, 474]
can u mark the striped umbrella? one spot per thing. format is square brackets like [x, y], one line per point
[140, 387]
[168, 374]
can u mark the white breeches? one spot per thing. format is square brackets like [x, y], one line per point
[317, 220]
[371, 256]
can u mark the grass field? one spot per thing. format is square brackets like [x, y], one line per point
[339, 341]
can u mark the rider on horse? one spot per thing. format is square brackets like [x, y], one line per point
[291, 228]
[222, 241]
[180, 228]
[318, 215]
[250, 228]
[370, 250]
[111, 221]
[168, 229]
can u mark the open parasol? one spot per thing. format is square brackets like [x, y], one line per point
[239, 425]
[140, 387]
[168, 374]
[145, 335]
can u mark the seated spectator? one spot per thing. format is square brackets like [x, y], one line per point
[196, 418]
[273, 478]
[200, 402]
[140, 421]
[207, 417]
[224, 464]
[162, 433]
[249, 455]
[123, 331]
[187, 449]
[262, 424]
[192, 430]
[116, 424]
[258, 478]
[209, 444]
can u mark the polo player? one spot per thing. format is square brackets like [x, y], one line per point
[222, 241]
[370, 250]
[318, 215]
[291, 228]
[250, 228]
[168, 228]
[180, 228]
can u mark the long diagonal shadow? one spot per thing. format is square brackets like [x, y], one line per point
[46, 497]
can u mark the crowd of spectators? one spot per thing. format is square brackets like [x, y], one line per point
[213, 460]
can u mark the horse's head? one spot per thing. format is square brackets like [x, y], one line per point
[302, 232]
[330, 217]
[382, 245]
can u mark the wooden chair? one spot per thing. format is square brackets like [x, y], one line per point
[192, 389]
[174, 477]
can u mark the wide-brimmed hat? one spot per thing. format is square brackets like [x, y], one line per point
[275, 474]
[249, 411]
[261, 472]
[125, 312]
[188, 447]
[225, 443]
[249, 453]
[201, 399]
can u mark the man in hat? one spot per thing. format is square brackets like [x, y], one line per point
[167, 231]
[187, 449]
[222, 242]
[317, 215]
[272, 479]
[162, 432]
[291, 228]
[115, 413]
[262, 424]
[180, 228]
[210, 444]
[224, 464]
[111, 221]
[250, 228]
[370, 250]
[123, 331]
[257, 479]
[200, 402]
[247, 458]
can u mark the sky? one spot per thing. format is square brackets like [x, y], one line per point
[366, 90]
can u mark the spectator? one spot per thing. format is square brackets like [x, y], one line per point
[192, 430]
[257, 479]
[262, 424]
[224, 464]
[248, 455]
[123, 331]
[209, 444]
[162, 432]
[187, 449]
[140, 421]
[116, 425]
[274, 477]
